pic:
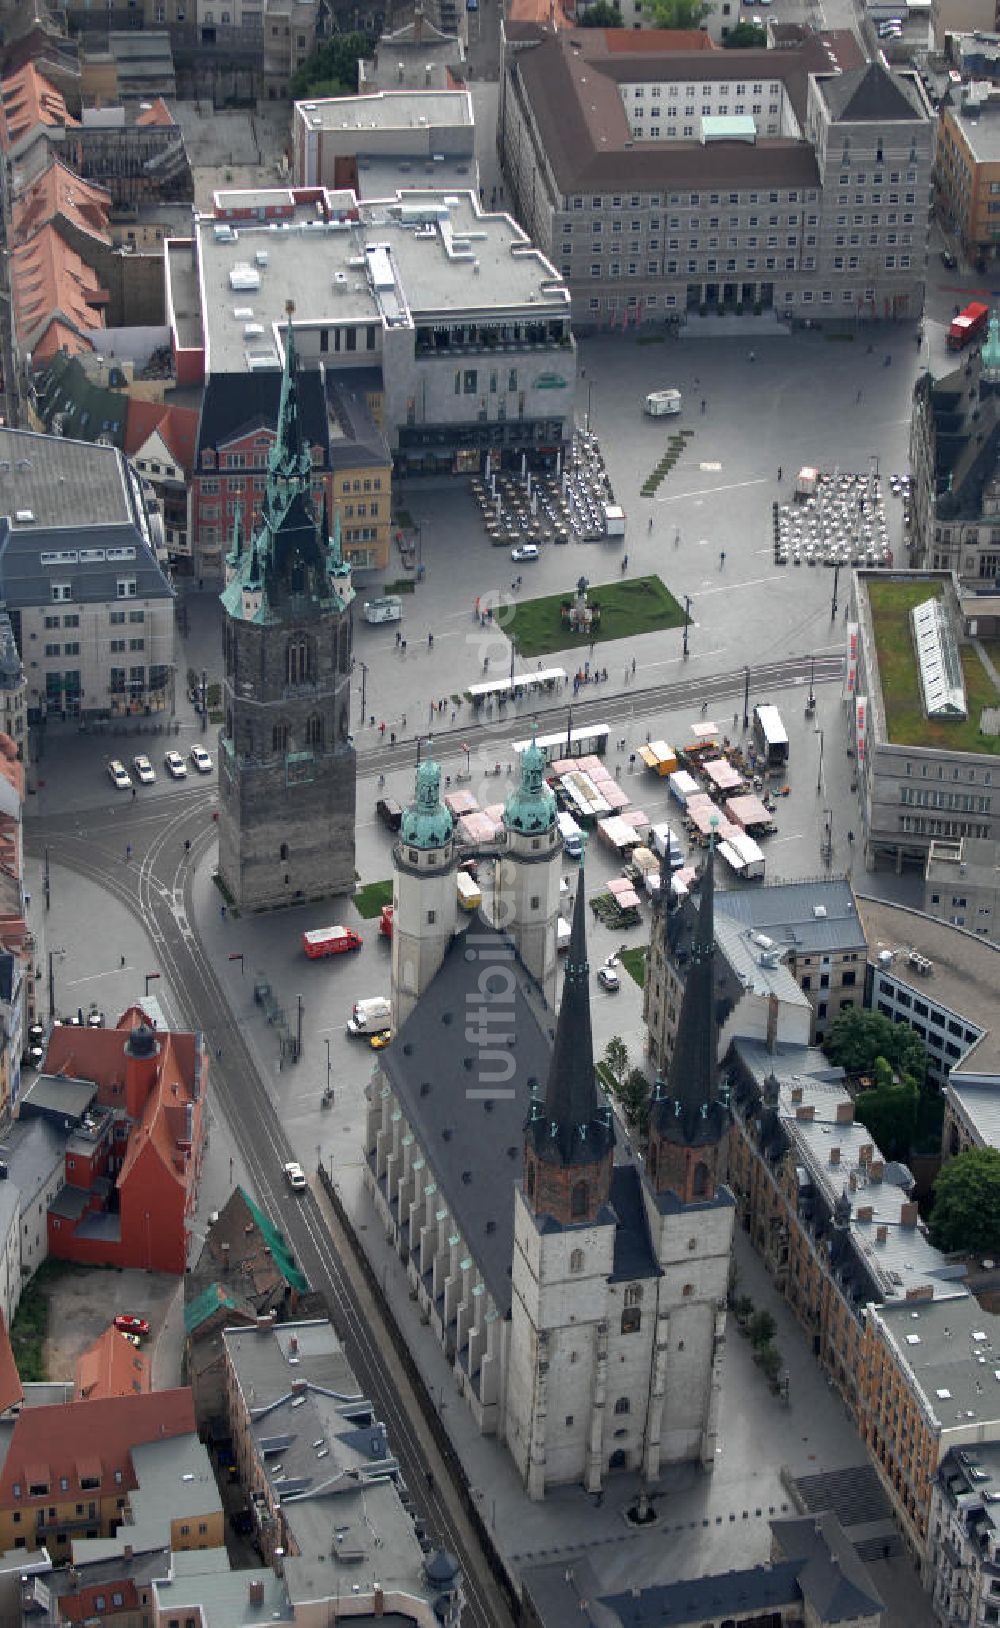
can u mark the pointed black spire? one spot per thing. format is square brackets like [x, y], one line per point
[690, 1110]
[571, 1125]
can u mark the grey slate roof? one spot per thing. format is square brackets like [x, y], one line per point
[34, 1148]
[869, 95]
[235, 404]
[834, 1581]
[786, 912]
[468, 1119]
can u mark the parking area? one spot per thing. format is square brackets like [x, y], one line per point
[83, 1300]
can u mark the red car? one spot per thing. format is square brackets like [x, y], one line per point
[131, 1325]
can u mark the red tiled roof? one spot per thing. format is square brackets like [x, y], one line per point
[635, 40]
[47, 277]
[112, 1366]
[538, 11]
[11, 1389]
[29, 99]
[158, 113]
[48, 1443]
[178, 427]
[58, 191]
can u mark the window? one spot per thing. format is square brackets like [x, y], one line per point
[631, 1320]
[126, 587]
[279, 738]
[579, 1200]
[622, 1405]
[576, 1256]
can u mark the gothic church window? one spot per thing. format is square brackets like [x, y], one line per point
[622, 1405]
[279, 737]
[314, 732]
[298, 666]
[579, 1201]
[700, 1179]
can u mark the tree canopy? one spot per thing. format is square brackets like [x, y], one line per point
[744, 34]
[602, 14]
[332, 70]
[856, 1038]
[678, 13]
[889, 1111]
[966, 1213]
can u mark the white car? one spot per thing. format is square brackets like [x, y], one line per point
[201, 760]
[608, 979]
[144, 771]
[295, 1176]
[175, 766]
[118, 775]
[524, 551]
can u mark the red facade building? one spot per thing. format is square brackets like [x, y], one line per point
[133, 1155]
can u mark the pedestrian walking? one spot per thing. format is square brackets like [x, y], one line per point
[381, 729]
[134, 794]
[128, 851]
[633, 666]
[402, 646]
[392, 737]
[399, 637]
[779, 471]
[677, 537]
[430, 641]
[651, 522]
[722, 559]
[222, 911]
[122, 963]
[403, 721]
[703, 404]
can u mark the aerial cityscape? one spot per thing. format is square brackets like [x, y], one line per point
[499, 702]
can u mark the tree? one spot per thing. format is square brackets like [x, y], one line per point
[332, 70]
[768, 1359]
[602, 14]
[889, 1111]
[856, 1038]
[633, 1094]
[966, 1212]
[679, 13]
[746, 34]
[616, 1059]
[761, 1328]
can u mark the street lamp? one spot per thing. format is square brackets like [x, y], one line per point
[746, 697]
[826, 843]
[328, 1063]
[364, 684]
[687, 619]
[819, 771]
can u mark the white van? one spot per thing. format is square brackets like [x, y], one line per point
[389, 609]
[661, 402]
[469, 894]
[572, 836]
[370, 1016]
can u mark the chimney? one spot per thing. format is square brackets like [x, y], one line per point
[225, 1257]
[881, 1234]
[264, 1323]
[128, 1551]
[255, 1591]
[772, 1022]
[293, 1345]
[428, 70]
[378, 1602]
[852, 1181]
[866, 1153]
[908, 1214]
[845, 1112]
[806, 1111]
[865, 1212]
[796, 1093]
[877, 1171]
[418, 22]
[834, 1155]
[299, 1386]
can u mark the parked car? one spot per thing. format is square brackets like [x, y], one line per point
[524, 551]
[295, 1176]
[126, 1324]
[201, 759]
[378, 1042]
[144, 771]
[175, 766]
[119, 775]
[389, 812]
[608, 979]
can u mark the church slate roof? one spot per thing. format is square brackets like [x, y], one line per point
[688, 1111]
[452, 1087]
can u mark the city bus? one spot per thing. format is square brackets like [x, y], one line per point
[511, 689]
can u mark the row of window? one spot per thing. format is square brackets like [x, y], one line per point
[922, 825]
[696, 200]
[962, 801]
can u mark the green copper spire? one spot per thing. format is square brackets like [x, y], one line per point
[532, 806]
[990, 353]
[427, 823]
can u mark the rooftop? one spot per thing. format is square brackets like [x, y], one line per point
[112, 1366]
[816, 917]
[838, 1158]
[87, 1439]
[980, 129]
[59, 481]
[964, 975]
[950, 1350]
[573, 81]
[388, 110]
[58, 299]
[890, 598]
[414, 258]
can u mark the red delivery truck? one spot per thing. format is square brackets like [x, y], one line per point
[330, 941]
[967, 325]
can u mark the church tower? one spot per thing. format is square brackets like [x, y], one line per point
[564, 1245]
[689, 1209]
[526, 875]
[424, 892]
[287, 767]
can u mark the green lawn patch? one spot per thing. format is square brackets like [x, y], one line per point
[634, 962]
[630, 607]
[368, 900]
[660, 471]
[906, 721]
[402, 585]
[31, 1323]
